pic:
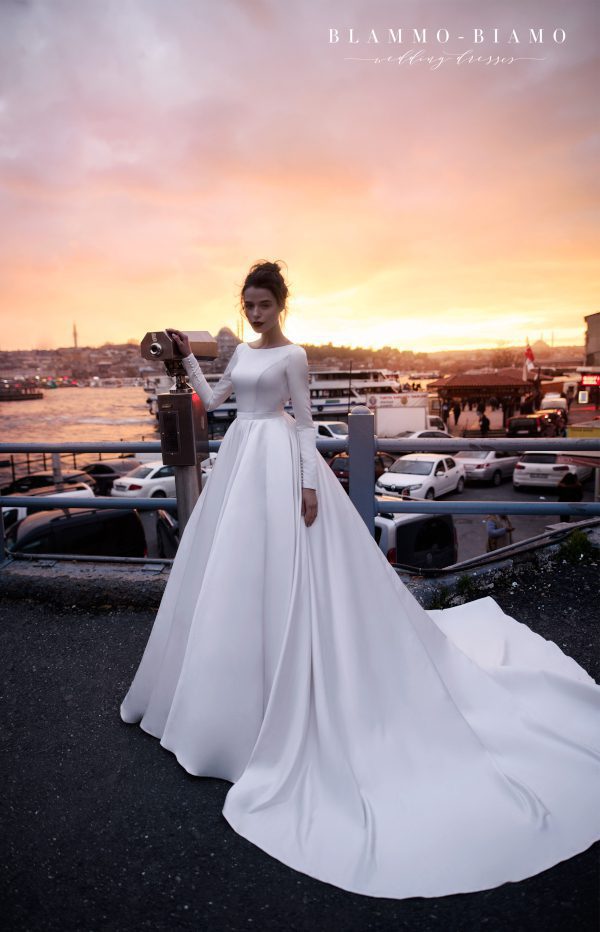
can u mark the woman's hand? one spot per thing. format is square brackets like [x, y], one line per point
[181, 340]
[309, 505]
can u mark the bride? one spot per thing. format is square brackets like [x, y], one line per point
[371, 744]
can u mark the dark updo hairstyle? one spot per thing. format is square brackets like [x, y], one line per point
[267, 275]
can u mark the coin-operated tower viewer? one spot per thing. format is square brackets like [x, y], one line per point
[182, 418]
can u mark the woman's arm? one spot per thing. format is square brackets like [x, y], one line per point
[298, 383]
[215, 396]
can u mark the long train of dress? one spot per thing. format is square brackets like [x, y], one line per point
[377, 746]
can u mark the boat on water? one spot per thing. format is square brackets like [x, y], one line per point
[11, 390]
[333, 392]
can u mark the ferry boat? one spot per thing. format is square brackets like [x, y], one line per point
[19, 390]
[333, 392]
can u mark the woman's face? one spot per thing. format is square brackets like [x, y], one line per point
[261, 308]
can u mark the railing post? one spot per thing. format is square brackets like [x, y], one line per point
[57, 476]
[361, 450]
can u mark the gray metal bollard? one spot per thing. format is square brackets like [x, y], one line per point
[361, 450]
[186, 491]
[57, 476]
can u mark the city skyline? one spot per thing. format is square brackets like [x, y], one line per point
[148, 158]
[340, 344]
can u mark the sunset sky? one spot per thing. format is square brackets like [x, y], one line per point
[151, 151]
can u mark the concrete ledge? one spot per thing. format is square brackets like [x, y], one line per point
[73, 582]
[140, 586]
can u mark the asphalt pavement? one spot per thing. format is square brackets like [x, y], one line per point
[104, 830]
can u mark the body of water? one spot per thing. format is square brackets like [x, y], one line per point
[77, 415]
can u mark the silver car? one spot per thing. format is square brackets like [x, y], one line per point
[487, 465]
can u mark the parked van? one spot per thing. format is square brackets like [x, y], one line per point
[540, 424]
[13, 513]
[97, 532]
[337, 430]
[554, 401]
[415, 540]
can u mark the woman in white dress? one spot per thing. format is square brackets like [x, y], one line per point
[383, 748]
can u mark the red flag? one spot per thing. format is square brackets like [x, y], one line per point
[528, 363]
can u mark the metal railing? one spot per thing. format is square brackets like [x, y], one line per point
[361, 445]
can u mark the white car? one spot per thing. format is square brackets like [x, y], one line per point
[543, 468]
[432, 433]
[207, 464]
[488, 465]
[416, 540]
[422, 475]
[337, 430]
[150, 480]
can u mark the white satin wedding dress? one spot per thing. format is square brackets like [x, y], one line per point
[374, 745]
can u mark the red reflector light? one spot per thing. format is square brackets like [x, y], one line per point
[519, 466]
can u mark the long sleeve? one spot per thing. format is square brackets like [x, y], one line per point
[298, 383]
[215, 396]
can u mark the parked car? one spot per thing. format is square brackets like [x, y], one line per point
[338, 430]
[416, 540]
[340, 463]
[206, 466]
[410, 540]
[150, 480]
[13, 513]
[532, 425]
[330, 430]
[106, 471]
[432, 433]
[167, 532]
[487, 465]
[437, 423]
[558, 417]
[85, 531]
[552, 401]
[35, 480]
[422, 475]
[541, 468]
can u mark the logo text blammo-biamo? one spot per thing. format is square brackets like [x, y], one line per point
[477, 35]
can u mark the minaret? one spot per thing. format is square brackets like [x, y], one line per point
[74, 334]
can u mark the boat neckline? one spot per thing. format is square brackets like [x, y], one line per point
[282, 346]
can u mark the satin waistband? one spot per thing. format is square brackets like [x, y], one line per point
[250, 415]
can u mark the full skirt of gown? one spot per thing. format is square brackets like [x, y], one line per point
[372, 744]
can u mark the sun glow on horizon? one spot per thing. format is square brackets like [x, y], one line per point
[420, 209]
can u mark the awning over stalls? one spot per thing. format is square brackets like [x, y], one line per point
[501, 382]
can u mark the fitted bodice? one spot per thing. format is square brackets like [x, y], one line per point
[263, 381]
[259, 378]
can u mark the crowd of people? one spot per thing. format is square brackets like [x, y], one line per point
[530, 402]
